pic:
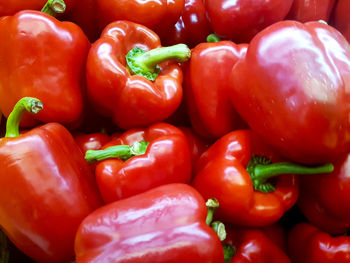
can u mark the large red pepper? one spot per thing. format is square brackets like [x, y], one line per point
[47, 188]
[166, 224]
[308, 244]
[44, 58]
[160, 16]
[207, 91]
[141, 159]
[254, 245]
[235, 170]
[341, 17]
[325, 200]
[293, 89]
[134, 95]
[306, 10]
[240, 20]
[192, 28]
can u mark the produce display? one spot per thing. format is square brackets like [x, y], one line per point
[183, 131]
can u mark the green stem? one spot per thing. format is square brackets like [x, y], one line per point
[213, 38]
[212, 205]
[29, 104]
[54, 7]
[229, 252]
[219, 229]
[145, 63]
[119, 151]
[261, 169]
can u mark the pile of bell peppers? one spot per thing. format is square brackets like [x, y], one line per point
[175, 131]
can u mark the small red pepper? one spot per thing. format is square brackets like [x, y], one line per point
[308, 244]
[43, 58]
[207, 91]
[253, 245]
[123, 81]
[166, 224]
[235, 170]
[141, 159]
[47, 188]
[293, 89]
[341, 17]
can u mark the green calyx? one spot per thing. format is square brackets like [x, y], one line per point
[54, 7]
[123, 152]
[213, 38]
[261, 169]
[142, 63]
[32, 105]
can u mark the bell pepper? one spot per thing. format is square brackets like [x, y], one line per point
[293, 89]
[341, 17]
[192, 27]
[206, 91]
[240, 20]
[324, 199]
[141, 159]
[123, 81]
[160, 16]
[308, 244]
[166, 224]
[44, 58]
[314, 10]
[253, 245]
[91, 141]
[236, 170]
[47, 188]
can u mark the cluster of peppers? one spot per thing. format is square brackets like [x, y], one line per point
[131, 136]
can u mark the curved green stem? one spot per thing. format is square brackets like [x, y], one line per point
[54, 7]
[145, 63]
[29, 104]
[123, 152]
[261, 169]
[212, 205]
[213, 38]
[219, 229]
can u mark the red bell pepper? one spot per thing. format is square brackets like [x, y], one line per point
[44, 58]
[47, 188]
[160, 16]
[341, 17]
[240, 20]
[307, 244]
[249, 245]
[132, 92]
[92, 141]
[236, 170]
[166, 224]
[206, 91]
[325, 200]
[192, 27]
[314, 10]
[141, 159]
[293, 89]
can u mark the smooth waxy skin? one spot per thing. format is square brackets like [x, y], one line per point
[341, 18]
[163, 225]
[206, 88]
[292, 88]
[314, 10]
[47, 189]
[43, 58]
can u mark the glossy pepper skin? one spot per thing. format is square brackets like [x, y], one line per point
[308, 244]
[167, 159]
[221, 173]
[160, 16]
[242, 19]
[131, 100]
[91, 141]
[47, 189]
[292, 88]
[163, 225]
[207, 91]
[192, 27]
[44, 58]
[341, 17]
[314, 10]
[324, 199]
[254, 245]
